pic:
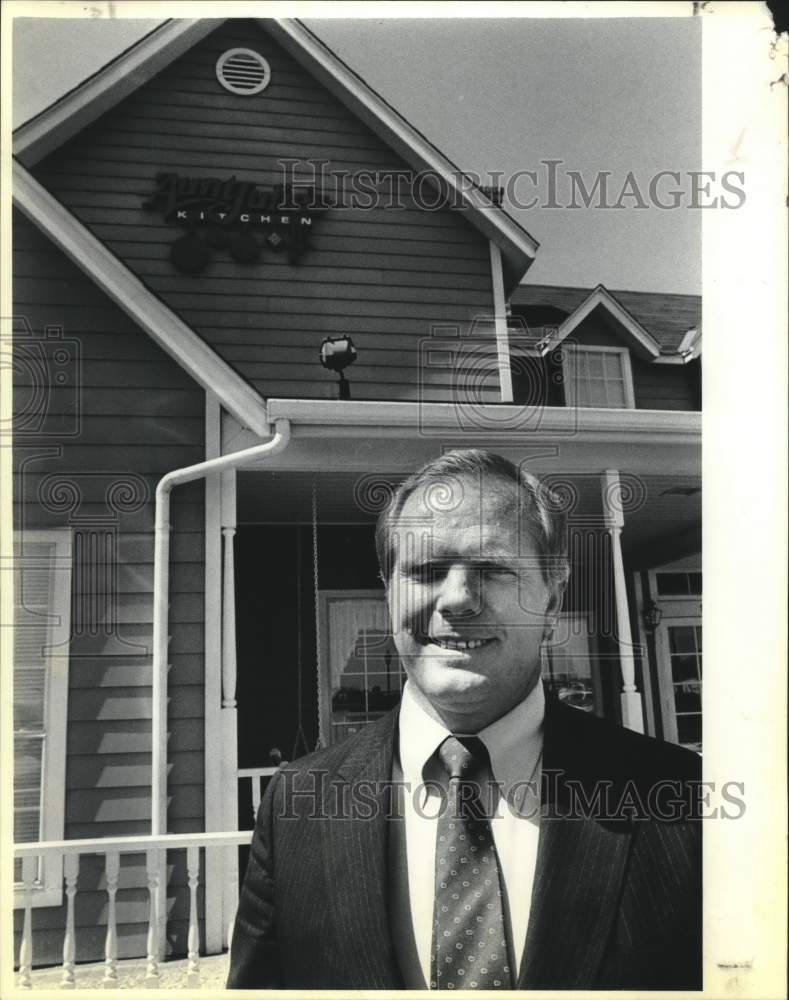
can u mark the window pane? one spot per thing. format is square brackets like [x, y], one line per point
[597, 393]
[687, 696]
[682, 639]
[689, 730]
[29, 691]
[672, 584]
[616, 394]
[613, 365]
[365, 672]
[567, 664]
[684, 668]
[595, 362]
[28, 754]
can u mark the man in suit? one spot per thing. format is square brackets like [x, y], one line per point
[479, 836]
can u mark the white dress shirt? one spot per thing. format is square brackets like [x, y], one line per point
[514, 743]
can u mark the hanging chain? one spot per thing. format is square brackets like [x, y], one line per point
[318, 638]
[300, 741]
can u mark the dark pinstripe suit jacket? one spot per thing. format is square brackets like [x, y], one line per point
[616, 901]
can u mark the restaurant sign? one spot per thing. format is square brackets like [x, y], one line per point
[232, 215]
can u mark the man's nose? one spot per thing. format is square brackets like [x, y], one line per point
[459, 592]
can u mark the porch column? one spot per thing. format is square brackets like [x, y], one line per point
[632, 711]
[229, 713]
[214, 817]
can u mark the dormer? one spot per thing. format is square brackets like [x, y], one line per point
[593, 348]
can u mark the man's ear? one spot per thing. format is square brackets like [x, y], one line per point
[555, 602]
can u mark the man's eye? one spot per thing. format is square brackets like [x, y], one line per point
[500, 572]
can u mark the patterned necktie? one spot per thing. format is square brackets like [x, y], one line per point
[469, 938]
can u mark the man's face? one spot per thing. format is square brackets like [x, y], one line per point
[468, 601]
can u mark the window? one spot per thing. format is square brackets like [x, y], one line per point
[568, 667]
[678, 650]
[598, 377]
[360, 670]
[42, 599]
[684, 643]
[678, 584]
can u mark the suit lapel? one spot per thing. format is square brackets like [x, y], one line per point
[355, 852]
[580, 866]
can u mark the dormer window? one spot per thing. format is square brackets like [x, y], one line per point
[597, 377]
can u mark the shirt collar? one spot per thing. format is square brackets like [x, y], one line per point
[514, 741]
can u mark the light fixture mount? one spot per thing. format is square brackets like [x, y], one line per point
[336, 354]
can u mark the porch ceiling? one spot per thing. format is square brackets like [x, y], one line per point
[667, 524]
[659, 511]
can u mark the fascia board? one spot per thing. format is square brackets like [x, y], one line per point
[600, 296]
[518, 246]
[127, 291]
[80, 107]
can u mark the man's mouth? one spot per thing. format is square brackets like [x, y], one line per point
[458, 645]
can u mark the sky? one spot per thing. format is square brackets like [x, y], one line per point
[503, 97]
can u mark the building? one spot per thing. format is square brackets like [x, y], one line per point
[190, 224]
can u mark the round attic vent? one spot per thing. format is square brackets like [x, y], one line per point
[243, 71]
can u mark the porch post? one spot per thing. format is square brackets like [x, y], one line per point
[500, 323]
[229, 711]
[632, 712]
[214, 818]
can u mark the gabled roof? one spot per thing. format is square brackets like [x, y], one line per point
[155, 51]
[672, 323]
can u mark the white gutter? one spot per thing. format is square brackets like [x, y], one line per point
[334, 418]
[161, 583]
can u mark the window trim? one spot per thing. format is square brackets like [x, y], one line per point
[627, 373]
[667, 695]
[677, 609]
[48, 891]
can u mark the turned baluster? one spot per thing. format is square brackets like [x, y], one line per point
[152, 966]
[26, 946]
[70, 871]
[193, 941]
[112, 869]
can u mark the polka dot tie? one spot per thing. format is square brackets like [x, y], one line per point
[469, 938]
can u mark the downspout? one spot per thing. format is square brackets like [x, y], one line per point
[161, 584]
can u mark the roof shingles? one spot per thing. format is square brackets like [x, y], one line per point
[667, 317]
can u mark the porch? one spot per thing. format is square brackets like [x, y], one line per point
[131, 973]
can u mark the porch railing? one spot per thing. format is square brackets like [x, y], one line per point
[256, 777]
[155, 848]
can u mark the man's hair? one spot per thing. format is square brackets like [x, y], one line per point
[538, 510]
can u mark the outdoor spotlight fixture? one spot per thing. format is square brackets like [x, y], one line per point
[652, 616]
[336, 354]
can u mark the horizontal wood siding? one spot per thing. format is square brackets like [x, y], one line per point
[384, 275]
[127, 414]
[666, 387]
[656, 386]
